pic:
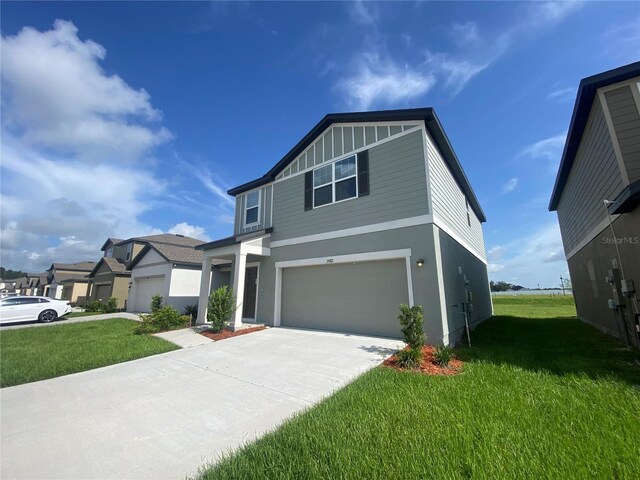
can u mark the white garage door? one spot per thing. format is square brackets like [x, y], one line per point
[146, 288]
[362, 298]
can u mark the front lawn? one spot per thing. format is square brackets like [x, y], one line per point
[539, 397]
[81, 314]
[31, 354]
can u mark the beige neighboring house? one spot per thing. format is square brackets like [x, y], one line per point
[111, 276]
[67, 272]
[75, 290]
[597, 197]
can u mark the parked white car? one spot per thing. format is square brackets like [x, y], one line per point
[31, 308]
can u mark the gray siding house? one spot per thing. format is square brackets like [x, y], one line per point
[368, 211]
[596, 195]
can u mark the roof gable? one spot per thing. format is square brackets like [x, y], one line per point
[424, 116]
[581, 111]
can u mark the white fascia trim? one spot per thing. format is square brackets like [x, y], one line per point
[350, 258]
[347, 232]
[588, 238]
[445, 227]
[441, 292]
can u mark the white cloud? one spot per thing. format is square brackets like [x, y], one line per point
[57, 96]
[548, 148]
[533, 258]
[364, 13]
[510, 185]
[380, 81]
[190, 231]
[562, 94]
[455, 72]
[73, 139]
[465, 33]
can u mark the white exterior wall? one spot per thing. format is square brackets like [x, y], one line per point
[448, 203]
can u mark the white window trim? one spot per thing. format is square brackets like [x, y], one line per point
[246, 208]
[334, 181]
[335, 260]
[129, 253]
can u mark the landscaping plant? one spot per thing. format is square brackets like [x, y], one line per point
[94, 306]
[162, 320]
[411, 325]
[222, 304]
[192, 312]
[156, 302]
[443, 355]
[111, 305]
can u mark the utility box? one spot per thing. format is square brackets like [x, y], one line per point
[627, 287]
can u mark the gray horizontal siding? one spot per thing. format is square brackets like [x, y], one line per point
[264, 214]
[398, 190]
[626, 123]
[449, 201]
[595, 176]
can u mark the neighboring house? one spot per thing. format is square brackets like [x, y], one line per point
[111, 276]
[173, 271]
[20, 285]
[368, 211]
[75, 290]
[7, 286]
[597, 193]
[64, 272]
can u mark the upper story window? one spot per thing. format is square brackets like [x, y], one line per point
[129, 251]
[252, 209]
[334, 183]
[109, 252]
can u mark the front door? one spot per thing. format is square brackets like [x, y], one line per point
[250, 292]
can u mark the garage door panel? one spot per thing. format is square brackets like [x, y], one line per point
[358, 298]
[145, 290]
[102, 292]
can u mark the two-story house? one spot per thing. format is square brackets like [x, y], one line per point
[596, 195]
[120, 272]
[368, 211]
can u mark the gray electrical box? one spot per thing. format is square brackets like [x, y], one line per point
[612, 304]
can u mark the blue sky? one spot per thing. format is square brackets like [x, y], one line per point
[124, 119]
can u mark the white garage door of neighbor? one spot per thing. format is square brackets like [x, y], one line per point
[361, 298]
[146, 288]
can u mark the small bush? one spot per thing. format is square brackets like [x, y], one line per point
[156, 302]
[111, 305]
[162, 320]
[409, 357]
[192, 312]
[443, 355]
[412, 325]
[94, 306]
[222, 304]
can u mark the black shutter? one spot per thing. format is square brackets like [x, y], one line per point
[308, 190]
[363, 173]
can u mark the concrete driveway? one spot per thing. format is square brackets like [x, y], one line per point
[165, 416]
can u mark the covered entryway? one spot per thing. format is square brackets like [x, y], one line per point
[250, 293]
[103, 292]
[354, 297]
[145, 289]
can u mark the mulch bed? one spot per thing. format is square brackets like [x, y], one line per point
[428, 365]
[228, 333]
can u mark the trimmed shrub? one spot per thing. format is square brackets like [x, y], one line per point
[222, 304]
[94, 306]
[443, 355]
[156, 302]
[409, 357]
[162, 320]
[411, 325]
[111, 305]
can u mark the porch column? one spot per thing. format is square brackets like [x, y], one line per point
[239, 267]
[205, 286]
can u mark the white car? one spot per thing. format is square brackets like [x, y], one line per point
[30, 308]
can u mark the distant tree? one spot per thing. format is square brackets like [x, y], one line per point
[503, 286]
[11, 274]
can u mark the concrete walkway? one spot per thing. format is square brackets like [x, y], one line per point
[64, 320]
[165, 416]
[185, 338]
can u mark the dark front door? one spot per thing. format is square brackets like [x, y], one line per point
[250, 292]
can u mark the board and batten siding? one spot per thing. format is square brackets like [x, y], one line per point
[626, 123]
[595, 176]
[398, 189]
[264, 214]
[449, 202]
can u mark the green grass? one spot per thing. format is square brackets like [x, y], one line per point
[31, 354]
[538, 398]
[81, 314]
[535, 306]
